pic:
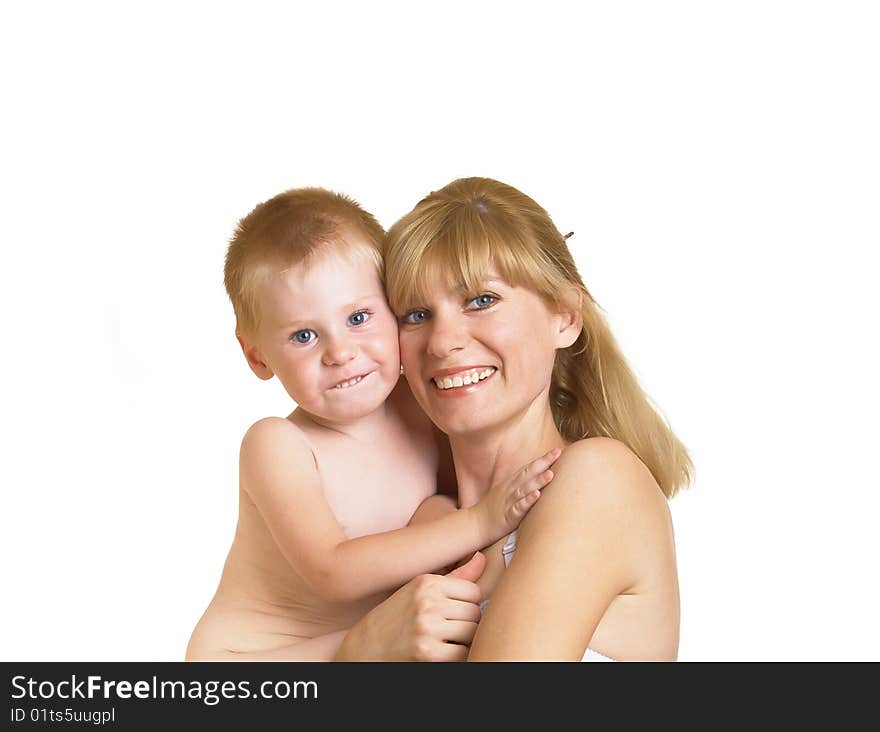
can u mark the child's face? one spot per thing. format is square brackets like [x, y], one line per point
[329, 336]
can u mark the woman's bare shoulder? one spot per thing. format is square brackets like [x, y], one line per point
[603, 466]
[599, 482]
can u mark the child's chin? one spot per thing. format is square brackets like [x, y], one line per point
[356, 405]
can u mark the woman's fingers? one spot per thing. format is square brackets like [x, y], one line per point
[459, 631]
[453, 588]
[451, 652]
[458, 610]
[471, 569]
[445, 613]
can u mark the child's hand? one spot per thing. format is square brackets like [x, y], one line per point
[506, 503]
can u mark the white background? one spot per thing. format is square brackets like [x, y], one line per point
[717, 161]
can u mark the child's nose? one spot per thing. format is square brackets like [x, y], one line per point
[338, 352]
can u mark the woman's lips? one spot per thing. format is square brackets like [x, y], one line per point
[463, 381]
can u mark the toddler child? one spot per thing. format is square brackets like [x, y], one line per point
[338, 502]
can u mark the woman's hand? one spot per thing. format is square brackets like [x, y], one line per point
[431, 618]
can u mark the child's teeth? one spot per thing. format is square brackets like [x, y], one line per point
[447, 383]
[457, 381]
[467, 380]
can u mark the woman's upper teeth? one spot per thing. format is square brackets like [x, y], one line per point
[463, 378]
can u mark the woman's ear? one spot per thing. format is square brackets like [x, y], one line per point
[570, 319]
[255, 358]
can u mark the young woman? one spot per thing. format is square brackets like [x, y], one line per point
[507, 352]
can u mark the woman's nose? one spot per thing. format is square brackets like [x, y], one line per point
[446, 336]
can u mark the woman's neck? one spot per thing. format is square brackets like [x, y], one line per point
[481, 460]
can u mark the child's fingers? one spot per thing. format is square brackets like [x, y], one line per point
[535, 483]
[543, 479]
[522, 506]
[539, 465]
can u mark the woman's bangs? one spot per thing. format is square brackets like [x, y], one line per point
[459, 256]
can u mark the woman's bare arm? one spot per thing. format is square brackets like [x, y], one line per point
[579, 548]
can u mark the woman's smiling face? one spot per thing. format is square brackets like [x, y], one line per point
[476, 361]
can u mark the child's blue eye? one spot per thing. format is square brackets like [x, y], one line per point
[481, 302]
[414, 317]
[359, 318]
[304, 336]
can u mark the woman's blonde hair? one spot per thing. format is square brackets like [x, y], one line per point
[456, 232]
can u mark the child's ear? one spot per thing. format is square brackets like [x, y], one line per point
[570, 320]
[255, 359]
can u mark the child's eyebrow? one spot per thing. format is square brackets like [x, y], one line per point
[361, 300]
[294, 324]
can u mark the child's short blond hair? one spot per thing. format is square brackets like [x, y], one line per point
[288, 229]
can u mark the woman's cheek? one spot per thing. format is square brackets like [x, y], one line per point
[406, 346]
[411, 356]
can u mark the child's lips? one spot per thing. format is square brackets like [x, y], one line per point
[351, 381]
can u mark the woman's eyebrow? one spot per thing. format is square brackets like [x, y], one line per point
[486, 281]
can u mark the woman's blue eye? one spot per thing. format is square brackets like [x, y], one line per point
[414, 317]
[483, 301]
[304, 336]
[358, 318]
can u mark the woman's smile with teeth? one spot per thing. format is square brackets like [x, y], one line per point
[464, 378]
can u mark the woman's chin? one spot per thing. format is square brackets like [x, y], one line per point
[463, 424]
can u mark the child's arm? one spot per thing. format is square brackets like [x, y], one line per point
[433, 507]
[428, 619]
[279, 472]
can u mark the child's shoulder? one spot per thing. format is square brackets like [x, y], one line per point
[274, 437]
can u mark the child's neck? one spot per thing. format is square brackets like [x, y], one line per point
[483, 460]
[363, 429]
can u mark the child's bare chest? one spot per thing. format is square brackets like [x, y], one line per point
[376, 487]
